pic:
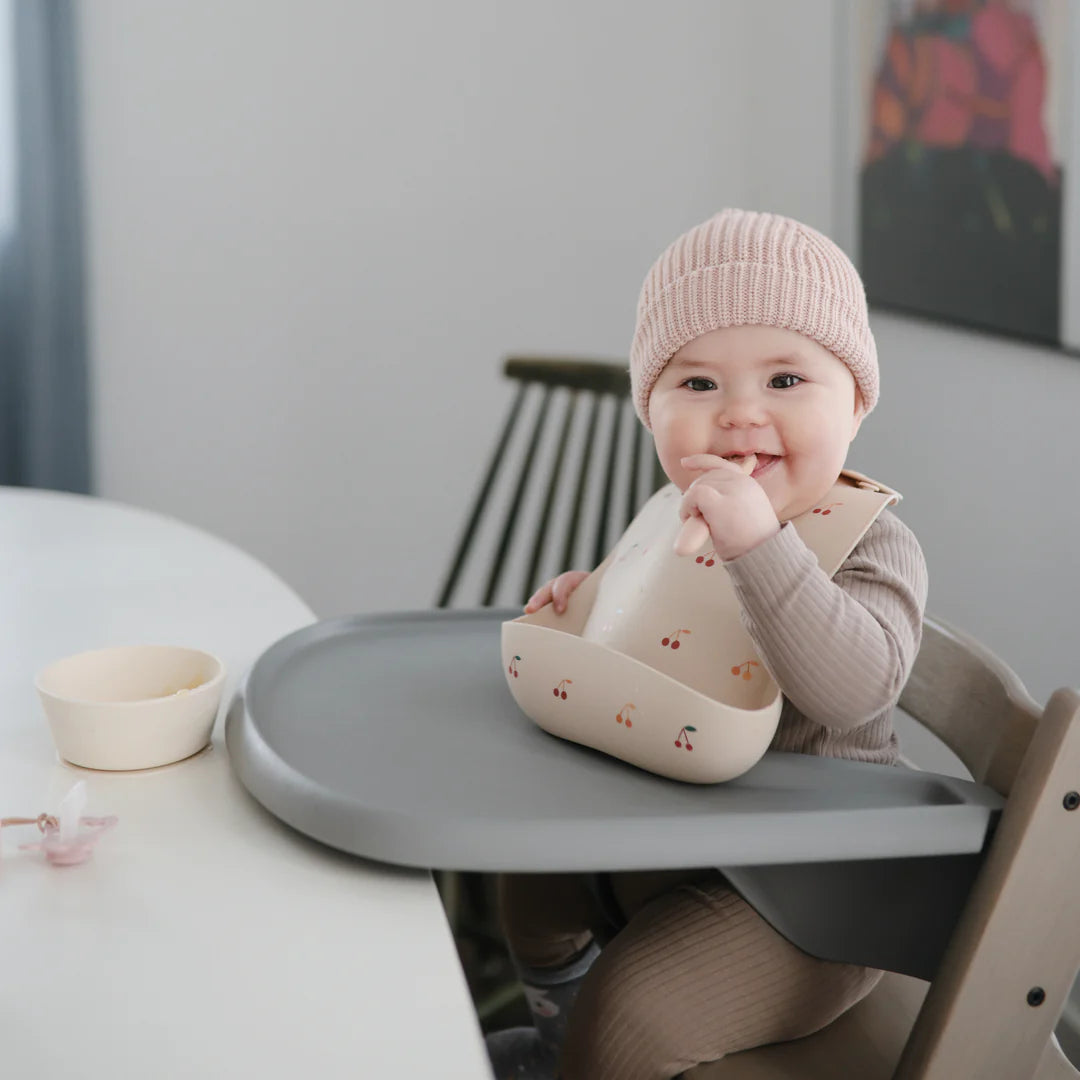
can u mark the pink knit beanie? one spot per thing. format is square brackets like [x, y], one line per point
[742, 268]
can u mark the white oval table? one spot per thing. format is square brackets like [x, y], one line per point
[204, 939]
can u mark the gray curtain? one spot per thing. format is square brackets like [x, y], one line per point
[44, 421]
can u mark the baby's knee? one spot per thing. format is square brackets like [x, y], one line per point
[619, 1025]
[545, 918]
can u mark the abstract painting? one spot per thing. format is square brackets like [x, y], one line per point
[966, 122]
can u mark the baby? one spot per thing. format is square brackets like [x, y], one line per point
[753, 364]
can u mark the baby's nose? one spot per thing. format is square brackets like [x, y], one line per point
[742, 410]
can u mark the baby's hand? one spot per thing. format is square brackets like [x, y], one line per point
[733, 505]
[556, 592]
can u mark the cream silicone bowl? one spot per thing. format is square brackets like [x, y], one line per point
[131, 707]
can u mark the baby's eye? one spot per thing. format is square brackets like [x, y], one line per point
[785, 381]
[699, 384]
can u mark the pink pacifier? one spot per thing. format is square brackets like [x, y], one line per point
[68, 838]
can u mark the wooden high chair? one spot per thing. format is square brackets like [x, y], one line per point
[990, 1010]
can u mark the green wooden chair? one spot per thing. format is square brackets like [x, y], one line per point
[570, 467]
[568, 471]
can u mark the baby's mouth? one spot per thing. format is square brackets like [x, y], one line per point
[764, 462]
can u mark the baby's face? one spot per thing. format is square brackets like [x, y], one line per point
[758, 390]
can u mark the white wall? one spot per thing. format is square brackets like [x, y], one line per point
[314, 230]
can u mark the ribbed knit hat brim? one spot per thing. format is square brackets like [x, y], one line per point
[742, 268]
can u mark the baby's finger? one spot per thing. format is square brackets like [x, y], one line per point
[539, 599]
[698, 501]
[704, 462]
[563, 587]
[694, 533]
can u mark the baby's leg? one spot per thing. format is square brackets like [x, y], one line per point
[547, 919]
[697, 974]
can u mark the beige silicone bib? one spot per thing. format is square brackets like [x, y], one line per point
[650, 662]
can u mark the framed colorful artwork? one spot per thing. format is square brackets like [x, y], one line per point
[960, 136]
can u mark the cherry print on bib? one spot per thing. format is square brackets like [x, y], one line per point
[683, 738]
[715, 683]
[744, 668]
[672, 640]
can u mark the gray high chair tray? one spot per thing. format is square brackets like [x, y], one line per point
[395, 738]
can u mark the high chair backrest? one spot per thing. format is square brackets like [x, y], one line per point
[570, 468]
[999, 989]
[1014, 954]
[973, 702]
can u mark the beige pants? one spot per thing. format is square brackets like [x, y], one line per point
[694, 974]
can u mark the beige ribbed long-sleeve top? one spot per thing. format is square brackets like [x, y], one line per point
[840, 649]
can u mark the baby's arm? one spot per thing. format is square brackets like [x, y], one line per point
[840, 649]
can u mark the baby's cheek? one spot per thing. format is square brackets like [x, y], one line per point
[675, 473]
[775, 501]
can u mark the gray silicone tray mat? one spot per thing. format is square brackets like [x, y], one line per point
[395, 738]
